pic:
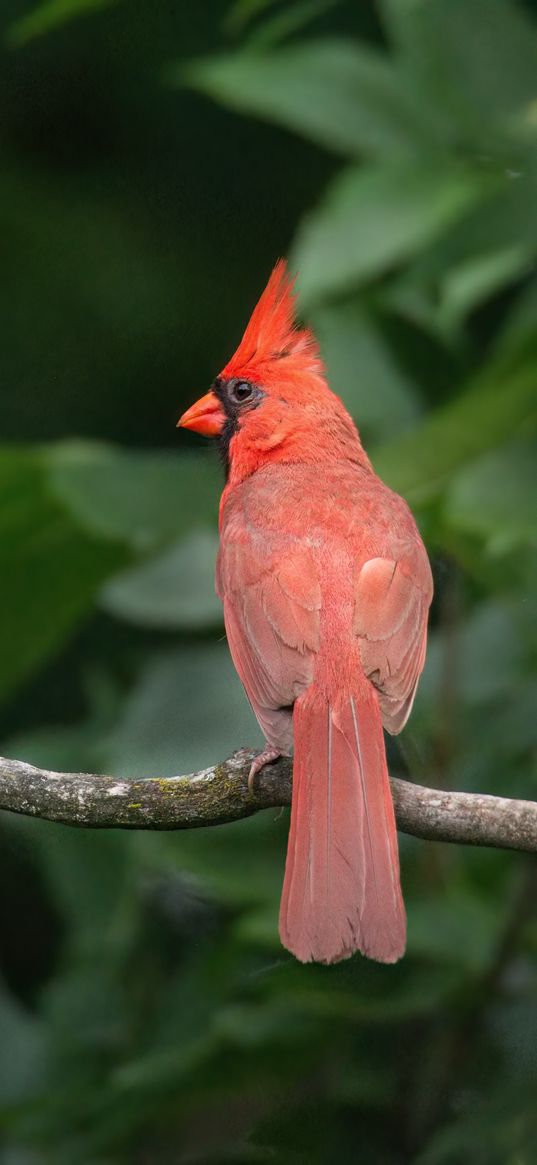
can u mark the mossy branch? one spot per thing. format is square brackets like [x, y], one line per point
[220, 794]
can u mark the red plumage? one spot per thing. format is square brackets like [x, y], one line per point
[326, 588]
[271, 333]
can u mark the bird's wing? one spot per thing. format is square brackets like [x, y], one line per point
[272, 601]
[391, 605]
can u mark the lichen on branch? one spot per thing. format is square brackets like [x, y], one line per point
[220, 794]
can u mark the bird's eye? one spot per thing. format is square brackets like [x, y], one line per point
[241, 391]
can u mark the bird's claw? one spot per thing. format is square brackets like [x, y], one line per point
[266, 757]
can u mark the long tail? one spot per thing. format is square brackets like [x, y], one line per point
[341, 891]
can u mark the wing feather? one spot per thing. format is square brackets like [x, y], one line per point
[391, 605]
[272, 603]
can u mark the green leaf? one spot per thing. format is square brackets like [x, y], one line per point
[21, 1062]
[520, 324]
[489, 661]
[495, 498]
[87, 872]
[364, 371]
[345, 97]
[144, 498]
[496, 1125]
[287, 22]
[374, 218]
[72, 747]
[71, 516]
[491, 654]
[497, 405]
[414, 994]
[186, 711]
[458, 928]
[475, 58]
[477, 279]
[49, 15]
[479, 254]
[257, 844]
[242, 12]
[106, 324]
[174, 589]
[50, 567]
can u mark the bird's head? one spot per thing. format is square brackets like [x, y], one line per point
[271, 402]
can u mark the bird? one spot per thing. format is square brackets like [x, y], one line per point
[326, 587]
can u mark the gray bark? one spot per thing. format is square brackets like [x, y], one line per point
[219, 794]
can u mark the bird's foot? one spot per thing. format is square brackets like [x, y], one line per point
[265, 758]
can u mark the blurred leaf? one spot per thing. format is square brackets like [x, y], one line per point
[241, 12]
[477, 58]
[456, 927]
[175, 589]
[144, 498]
[504, 223]
[466, 286]
[495, 497]
[186, 711]
[21, 1062]
[220, 858]
[87, 874]
[364, 371]
[515, 1027]
[491, 653]
[159, 1069]
[500, 403]
[247, 1025]
[72, 747]
[114, 299]
[421, 992]
[516, 725]
[50, 568]
[346, 97]
[499, 1127]
[488, 657]
[479, 255]
[49, 15]
[521, 319]
[16, 1155]
[85, 1006]
[373, 218]
[288, 22]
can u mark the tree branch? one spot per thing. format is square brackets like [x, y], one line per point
[220, 794]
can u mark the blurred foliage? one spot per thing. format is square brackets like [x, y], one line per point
[47, 15]
[156, 160]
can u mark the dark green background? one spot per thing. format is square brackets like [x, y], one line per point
[156, 159]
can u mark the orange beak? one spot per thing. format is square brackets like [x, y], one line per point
[206, 416]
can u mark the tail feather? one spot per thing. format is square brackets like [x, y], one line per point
[341, 890]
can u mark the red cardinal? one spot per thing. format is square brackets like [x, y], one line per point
[326, 588]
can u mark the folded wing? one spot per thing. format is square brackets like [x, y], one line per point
[271, 603]
[391, 607]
